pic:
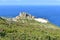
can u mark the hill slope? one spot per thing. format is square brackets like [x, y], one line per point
[27, 29]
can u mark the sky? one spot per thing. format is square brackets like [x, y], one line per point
[29, 2]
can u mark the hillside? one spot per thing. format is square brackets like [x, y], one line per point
[23, 28]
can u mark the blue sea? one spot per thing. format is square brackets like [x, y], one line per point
[52, 13]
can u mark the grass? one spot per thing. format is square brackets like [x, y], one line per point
[26, 29]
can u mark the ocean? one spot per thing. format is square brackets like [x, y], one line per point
[52, 13]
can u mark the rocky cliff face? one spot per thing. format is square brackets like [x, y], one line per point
[23, 15]
[26, 15]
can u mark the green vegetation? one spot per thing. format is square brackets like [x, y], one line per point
[28, 30]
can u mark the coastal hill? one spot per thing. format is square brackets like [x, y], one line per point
[28, 27]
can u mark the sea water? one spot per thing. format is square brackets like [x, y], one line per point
[52, 13]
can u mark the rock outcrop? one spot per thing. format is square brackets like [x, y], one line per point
[23, 15]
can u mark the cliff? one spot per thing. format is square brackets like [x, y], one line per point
[23, 15]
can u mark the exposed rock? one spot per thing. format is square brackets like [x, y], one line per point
[23, 15]
[41, 20]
